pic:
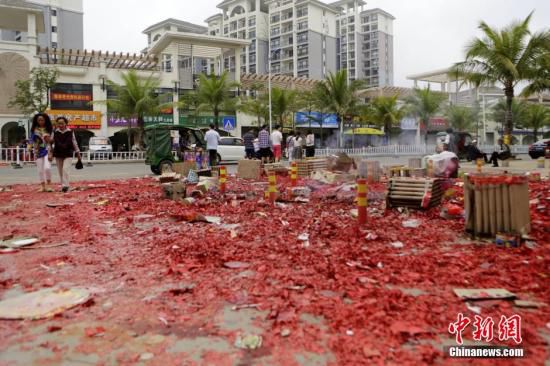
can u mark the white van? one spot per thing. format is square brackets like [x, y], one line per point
[100, 148]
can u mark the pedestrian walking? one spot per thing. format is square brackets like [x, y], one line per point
[64, 147]
[276, 142]
[265, 150]
[310, 144]
[41, 132]
[298, 149]
[212, 138]
[248, 139]
[290, 146]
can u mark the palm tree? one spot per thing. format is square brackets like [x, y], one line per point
[282, 103]
[340, 95]
[537, 116]
[215, 93]
[384, 111]
[425, 104]
[506, 56]
[500, 111]
[461, 118]
[257, 107]
[539, 82]
[135, 98]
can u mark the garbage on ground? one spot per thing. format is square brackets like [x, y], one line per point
[169, 177]
[397, 244]
[285, 332]
[174, 191]
[473, 308]
[43, 303]
[340, 162]
[304, 238]
[484, 294]
[94, 331]
[371, 236]
[56, 205]
[18, 243]
[300, 192]
[412, 223]
[508, 240]
[249, 341]
[236, 265]
[452, 212]
[529, 304]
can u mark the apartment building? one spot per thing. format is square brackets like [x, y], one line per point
[244, 19]
[375, 61]
[365, 42]
[303, 38]
[63, 24]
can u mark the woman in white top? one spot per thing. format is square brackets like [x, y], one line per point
[310, 144]
[297, 141]
[290, 146]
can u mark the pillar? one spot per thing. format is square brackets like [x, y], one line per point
[99, 94]
[238, 64]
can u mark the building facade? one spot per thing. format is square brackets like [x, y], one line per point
[309, 38]
[63, 24]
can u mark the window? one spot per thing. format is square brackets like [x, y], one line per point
[366, 28]
[54, 29]
[374, 27]
[302, 38]
[253, 69]
[212, 33]
[252, 34]
[233, 26]
[351, 28]
[252, 59]
[275, 31]
[242, 23]
[275, 18]
[225, 30]
[302, 25]
[54, 12]
[301, 12]
[303, 64]
[54, 44]
[251, 21]
[365, 19]
[167, 63]
[156, 37]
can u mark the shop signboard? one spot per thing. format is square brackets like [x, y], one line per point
[205, 121]
[409, 123]
[89, 120]
[306, 119]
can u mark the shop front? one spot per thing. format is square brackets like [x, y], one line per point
[323, 125]
[84, 123]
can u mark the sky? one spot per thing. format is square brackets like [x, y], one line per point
[428, 34]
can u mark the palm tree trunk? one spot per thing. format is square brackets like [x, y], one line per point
[535, 133]
[141, 125]
[216, 118]
[387, 128]
[341, 132]
[508, 119]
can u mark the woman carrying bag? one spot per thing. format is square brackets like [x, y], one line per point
[64, 147]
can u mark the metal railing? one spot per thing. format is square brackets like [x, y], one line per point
[19, 156]
[407, 150]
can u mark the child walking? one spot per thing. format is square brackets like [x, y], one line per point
[41, 132]
[64, 147]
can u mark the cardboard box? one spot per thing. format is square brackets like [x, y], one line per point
[184, 167]
[249, 169]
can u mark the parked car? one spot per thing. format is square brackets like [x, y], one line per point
[231, 149]
[100, 148]
[539, 149]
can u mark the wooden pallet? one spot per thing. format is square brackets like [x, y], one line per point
[308, 166]
[421, 193]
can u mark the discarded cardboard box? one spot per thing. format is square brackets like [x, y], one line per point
[174, 190]
[183, 168]
[169, 177]
[249, 169]
[340, 162]
[484, 294]
[300, 192]
[278, 168]
[327, 177]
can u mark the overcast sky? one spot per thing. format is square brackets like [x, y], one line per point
[429, 34]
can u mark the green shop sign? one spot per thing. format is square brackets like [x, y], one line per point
[201, 121]
[160, 119]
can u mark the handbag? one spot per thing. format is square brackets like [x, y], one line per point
[79, 165]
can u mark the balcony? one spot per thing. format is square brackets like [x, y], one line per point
[275, 19]
[287, 30]
[303, 66]
[303, 52]
[287, 55]
[287, 16]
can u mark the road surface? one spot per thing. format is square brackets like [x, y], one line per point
[102, 171]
